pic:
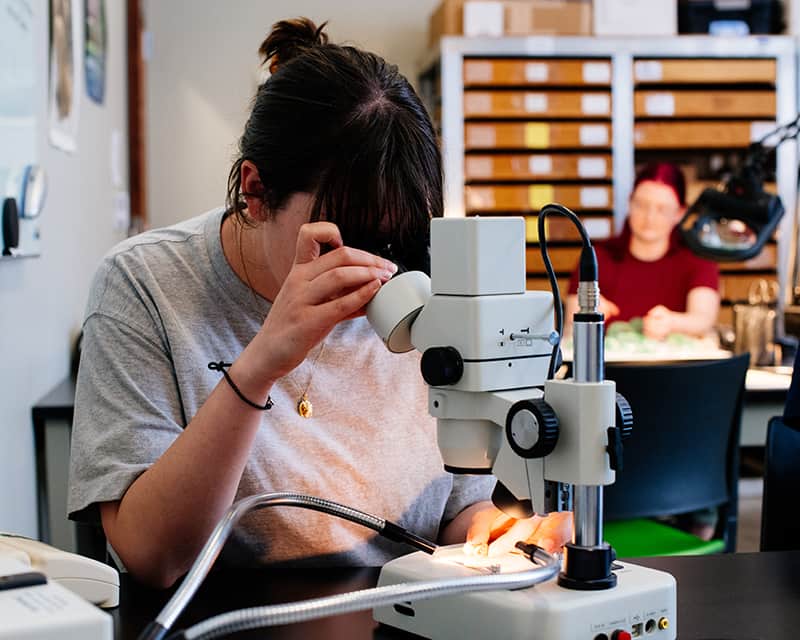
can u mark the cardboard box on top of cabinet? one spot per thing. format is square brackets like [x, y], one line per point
[446, 20]
[548, 17]
[635, 17]
[520, 17]
[483, 18]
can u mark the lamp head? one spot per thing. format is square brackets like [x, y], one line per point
[726, 228]
[733, 223]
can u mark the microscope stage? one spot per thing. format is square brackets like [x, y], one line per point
[643, 604]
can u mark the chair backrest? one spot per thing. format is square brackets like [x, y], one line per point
[780, 519]
[684, 452]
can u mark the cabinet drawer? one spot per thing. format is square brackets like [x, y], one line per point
[704, 71]
[550, 104]
[534, 197]
[736, 287]
[696, 135]
[688, 104]
[562, 230]
[537, 166]
[539, 283]
[520, 73]
[564, 259]
[537, 135]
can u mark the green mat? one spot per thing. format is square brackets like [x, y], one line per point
[642, 537]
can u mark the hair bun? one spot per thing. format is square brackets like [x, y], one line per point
[289, 38]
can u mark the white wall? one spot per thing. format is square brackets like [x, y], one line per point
[43, 298]
[203, 73]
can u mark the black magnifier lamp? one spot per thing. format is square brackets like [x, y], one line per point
[734, 222]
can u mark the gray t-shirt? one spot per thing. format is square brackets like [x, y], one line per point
[166, 303]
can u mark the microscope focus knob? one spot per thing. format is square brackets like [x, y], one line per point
[441, 366]
[624, 417]
[532, 428]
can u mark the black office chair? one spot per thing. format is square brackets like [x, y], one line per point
[683, 455]
[780, 519]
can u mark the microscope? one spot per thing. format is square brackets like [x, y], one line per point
[488, 353]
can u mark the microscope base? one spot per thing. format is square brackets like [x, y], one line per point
[643, 601]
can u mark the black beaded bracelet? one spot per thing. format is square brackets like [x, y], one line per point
[222, 366]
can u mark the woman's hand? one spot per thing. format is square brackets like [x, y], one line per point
[493, 533]
[607, 308]
[657, 324]
[320, 291]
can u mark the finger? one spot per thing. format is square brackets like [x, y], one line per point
[337, 282]
[501, 524]
[521, 530]
[479, 531]
[337, 310]
[549, 544]
[312, 236]
[347, 256]
[554, 532]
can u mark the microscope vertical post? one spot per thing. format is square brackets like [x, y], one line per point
[588, 367]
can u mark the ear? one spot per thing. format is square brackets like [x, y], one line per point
[679, 215]
[252, 190]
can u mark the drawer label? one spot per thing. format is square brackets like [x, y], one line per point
[479, 167]
[594, 197]
[535, 102]
[536, 72]
[478, 72]
[595, 104]
[481, 136]
[532, 228]
[540, 165]
[648, 71]
[540, 195]
[597, 72]
[659, 104]
[480, 198]
[592, 167]
[537, 135]
[597, 228]
[475, 102]
[594, 135]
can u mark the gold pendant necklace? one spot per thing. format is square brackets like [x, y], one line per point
[305, 409]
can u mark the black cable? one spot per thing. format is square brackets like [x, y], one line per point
[587, 269]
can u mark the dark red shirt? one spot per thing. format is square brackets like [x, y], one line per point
[636, 286]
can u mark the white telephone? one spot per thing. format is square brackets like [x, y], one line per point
[44, 592]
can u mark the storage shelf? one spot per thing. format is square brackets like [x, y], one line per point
[519, 114]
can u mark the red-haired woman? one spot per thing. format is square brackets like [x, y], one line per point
[647, 271]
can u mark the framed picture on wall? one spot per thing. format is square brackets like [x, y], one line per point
[95, 48]
[65, 81]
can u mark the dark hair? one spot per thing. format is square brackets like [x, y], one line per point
[347, 127]
[666, 173]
